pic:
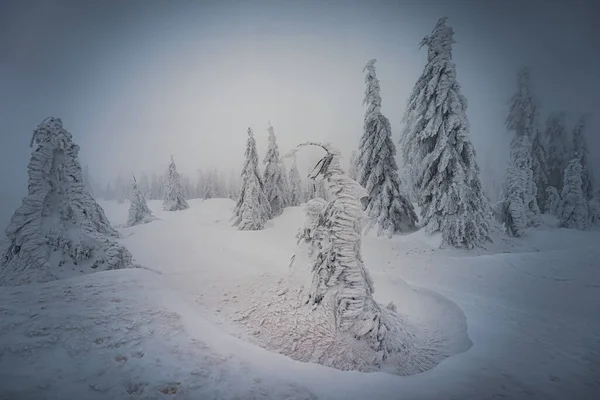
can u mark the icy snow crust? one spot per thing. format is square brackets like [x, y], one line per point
[530, 306]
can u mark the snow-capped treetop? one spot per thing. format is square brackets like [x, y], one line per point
[439, 42]
[274, 183]
[372, 97]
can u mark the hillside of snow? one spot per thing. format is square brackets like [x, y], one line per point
[519, 320]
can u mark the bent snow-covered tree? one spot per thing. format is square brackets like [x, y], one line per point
[174, 199]
[59, 230]
[341, 284]
[252, 209]
[438, 153]
[274, 180]
[573, 208]
[386, 207]
[139, 213]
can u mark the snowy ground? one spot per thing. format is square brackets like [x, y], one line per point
[531, 309]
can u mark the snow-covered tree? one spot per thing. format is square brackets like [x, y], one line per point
[252, 209]
[352, 172]
[437, 150]
[139, 213]
[174, 199]
[341, 285]
[539, 166]
[59, 227]
[286, 185]
[557, 155]
[274, 183]
[573, 208]
[311, 232]
[311, 190]
[296, 192]
[552, 201]
[520, 208]
[580, 148]
[209, 184]
[386, 207]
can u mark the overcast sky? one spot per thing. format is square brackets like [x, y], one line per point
[136, 81]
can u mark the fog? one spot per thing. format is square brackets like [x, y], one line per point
[138, 81]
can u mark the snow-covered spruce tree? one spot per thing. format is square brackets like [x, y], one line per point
[581, 149]
[386, 207]
[365, 334]
[573, 208]
[352, 172]
[209, 189]
[539, 167]
[296, 193]
[552, 201]
[557, 155]
[437, 150]
[252, 209]
[311, 232]
[59, 230]
[139, 213]
[274, 183]
[520, 187]
[513, 207]
[174, 199]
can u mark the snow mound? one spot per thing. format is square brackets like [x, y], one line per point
[280, 320]
[118, 335]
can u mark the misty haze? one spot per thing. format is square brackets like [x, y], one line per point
[299, 199]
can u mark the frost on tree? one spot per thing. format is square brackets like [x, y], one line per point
[520, 209]
[552, 201]
[369, 335]
[557, 155]
[580, 148]
[539, 167]
[274, 182]
[252, 209]
[139, 213]
[437, 151]
[174, 199]
[296, 192]
[387, 208]
[59, 230]
[311, 233]
[573, 208]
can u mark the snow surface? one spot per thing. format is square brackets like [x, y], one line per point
[531, 308]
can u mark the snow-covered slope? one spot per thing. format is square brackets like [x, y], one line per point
[530, 308]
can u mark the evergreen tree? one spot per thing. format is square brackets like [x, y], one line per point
[209, 189]
[286, 185]
[557, 154]
[553, 201]
[252, 209]
[139, 213]
[274, 183]
[174, 199]
[387, 208]
[539, 167]
[573, 208]
[311, 191]
[297, 194]
[520, 186]
[437, 150]
[580, 148]
[59, 227]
